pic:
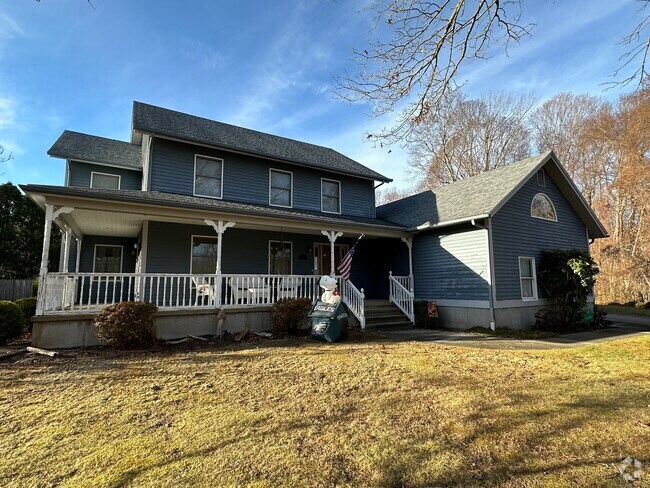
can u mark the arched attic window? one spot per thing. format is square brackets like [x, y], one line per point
[542, 208]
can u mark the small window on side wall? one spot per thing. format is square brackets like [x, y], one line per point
[542, 208]
[330, 196]
[527, 278]
[104, 181]
[208, 176]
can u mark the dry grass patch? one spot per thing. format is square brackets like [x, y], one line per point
[300, 413]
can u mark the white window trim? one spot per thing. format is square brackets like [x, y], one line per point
[290, 259]
[326, 245]
[291, 190]
[119, 178]
[192, 247]
[321, 196]
[194, 181]
[108, 245]
[534, 278]
[552, 205]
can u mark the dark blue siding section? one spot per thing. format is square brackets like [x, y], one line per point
[80, 175]
[516, 233]
[244, 251]
[451, 266]
[246, 179]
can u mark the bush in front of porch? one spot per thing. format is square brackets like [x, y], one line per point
[11, 321]
[127, 325]
[289, 315]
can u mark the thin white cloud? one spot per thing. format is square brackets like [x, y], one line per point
[10, 28]
[200, 53]
[7, 112]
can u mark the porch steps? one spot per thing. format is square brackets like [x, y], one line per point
[382, 314]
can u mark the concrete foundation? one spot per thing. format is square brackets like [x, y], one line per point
[77, 330]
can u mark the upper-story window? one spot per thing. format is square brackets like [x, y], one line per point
[330, 196]
[208, 176]
[104, 181]
[542, 208]
[280, 188]
[541, 177]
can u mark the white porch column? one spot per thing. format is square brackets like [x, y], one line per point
[66, 251]
[42, 275]
[219, 227]
[78, 259]
[409, 243]
[332, 236]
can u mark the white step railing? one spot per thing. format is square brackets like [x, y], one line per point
[401, 294]
[354, 299]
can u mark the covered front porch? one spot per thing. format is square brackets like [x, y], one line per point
[182, 260]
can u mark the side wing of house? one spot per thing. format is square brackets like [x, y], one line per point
[518, 240]
[451, 268]
[93, 175]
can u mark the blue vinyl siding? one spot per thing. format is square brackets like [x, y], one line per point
[451, 266]
[80, 175]
[244, 251]
[246, 179]
[516, 233]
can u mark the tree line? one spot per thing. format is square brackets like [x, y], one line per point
[604, 146]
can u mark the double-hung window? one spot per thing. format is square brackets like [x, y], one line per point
[280, 188]
[280, 257]
[330, 196]
[104, 181]
[527, 278]
[204, 255]
[108, 259]
[208, 176]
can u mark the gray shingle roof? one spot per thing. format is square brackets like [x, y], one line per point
[75, 145]
[471, 197]
[165, 122]
[210, 204]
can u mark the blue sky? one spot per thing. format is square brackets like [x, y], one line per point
[267, 65]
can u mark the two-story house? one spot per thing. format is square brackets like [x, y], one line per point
[196, 215]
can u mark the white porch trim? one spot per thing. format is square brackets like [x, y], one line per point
[332, 235]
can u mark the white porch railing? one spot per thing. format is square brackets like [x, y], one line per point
[83, 292]
[401, 294]
[354, 299]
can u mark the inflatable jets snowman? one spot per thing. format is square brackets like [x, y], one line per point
[330, 294]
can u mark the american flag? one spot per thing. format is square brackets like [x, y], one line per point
[346, 263]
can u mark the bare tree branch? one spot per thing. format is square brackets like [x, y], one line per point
[639, 48]
[411, 72]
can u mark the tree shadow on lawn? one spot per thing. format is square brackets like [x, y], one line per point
[534, 430]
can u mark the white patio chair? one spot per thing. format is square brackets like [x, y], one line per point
[288, 287]
[204, 288]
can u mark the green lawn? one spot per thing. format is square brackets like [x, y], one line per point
[300, 413]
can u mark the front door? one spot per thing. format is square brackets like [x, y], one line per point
[322, 260]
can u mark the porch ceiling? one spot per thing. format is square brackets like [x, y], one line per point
[93, 222]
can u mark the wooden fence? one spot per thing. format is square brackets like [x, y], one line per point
[15, 289]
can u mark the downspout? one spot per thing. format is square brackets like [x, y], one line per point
[488, 231]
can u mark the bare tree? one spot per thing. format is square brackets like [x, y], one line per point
[391, 193]
[561, 124]
[420, 45]
[415, 69]
[638, 42]
[467, 137]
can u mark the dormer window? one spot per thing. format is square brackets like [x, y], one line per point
[280, 188]
[542, 208]
[541, 178]
[104, 181]
[208, 176]
[330, 196]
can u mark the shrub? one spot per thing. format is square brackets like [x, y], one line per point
[127, 325]
[11, 321]
[631, 303]
[645, 306]
[290, 315]
[422, 318]
[567, 277]
[28, 307]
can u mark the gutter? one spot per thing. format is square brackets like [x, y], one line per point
[488, 230]
[447, 223]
